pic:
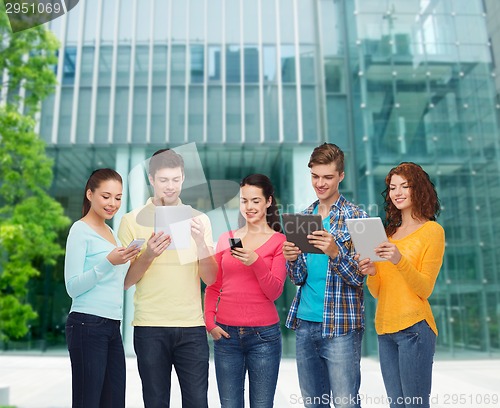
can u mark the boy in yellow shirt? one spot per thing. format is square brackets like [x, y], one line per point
[169, 329]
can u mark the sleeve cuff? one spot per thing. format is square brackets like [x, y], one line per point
[259, 267]
[209, 324]
[402, 264]
[103, 267]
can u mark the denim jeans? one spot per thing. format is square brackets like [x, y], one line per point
[160, 348]
[97, 361]
[328, 368]
[406, 359]
[253, 349]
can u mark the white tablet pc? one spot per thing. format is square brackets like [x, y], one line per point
[297, 227]
[367, 234]
[175, 220]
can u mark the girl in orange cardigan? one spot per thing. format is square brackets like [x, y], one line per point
[404, 322]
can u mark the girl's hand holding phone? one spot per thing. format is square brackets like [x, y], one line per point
[245, 256]
[121, 255]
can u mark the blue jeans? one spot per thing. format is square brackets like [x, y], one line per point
[406, 359]
[328, 368]
[256, 349]
[160, 348]
[97, 361]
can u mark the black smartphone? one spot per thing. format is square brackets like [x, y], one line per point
[235, 243]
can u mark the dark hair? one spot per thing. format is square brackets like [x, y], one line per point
[422, 193]
[165, 158]
[96, 178]
[262, 181]
[328, 153]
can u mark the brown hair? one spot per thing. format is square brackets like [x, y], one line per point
[262, 181]
[422, 192]
[96, 178]
[328, 153]
[165, 158]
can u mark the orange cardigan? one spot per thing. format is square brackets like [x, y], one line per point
[402, 290]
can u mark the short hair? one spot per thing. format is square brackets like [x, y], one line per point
[165, 158]
[423, 195]
[328, 153]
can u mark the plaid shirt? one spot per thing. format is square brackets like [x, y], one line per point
[343, 308]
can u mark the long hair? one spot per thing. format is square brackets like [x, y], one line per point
[424, 198]
[96, 178]
[262, 181]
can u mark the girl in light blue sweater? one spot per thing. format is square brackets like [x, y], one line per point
[94, 271]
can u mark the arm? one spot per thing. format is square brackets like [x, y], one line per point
[297, 270]
[137, 269]
[157, 243]
[78, 280]
[207, 265]
[370, 269]
[373, 283]
[212, 293]
[202, 234]
[139, 266]
[295, 263]
[344, 264]
[422, 281]
[271, 281]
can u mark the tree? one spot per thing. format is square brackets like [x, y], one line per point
[29, 218]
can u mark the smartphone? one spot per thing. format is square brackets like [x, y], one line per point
[235, 243]
[138, 242]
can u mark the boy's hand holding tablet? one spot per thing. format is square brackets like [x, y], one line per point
[325, 242]
[305, 234]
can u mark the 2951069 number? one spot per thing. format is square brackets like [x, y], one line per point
[33, 7]
[467, 399]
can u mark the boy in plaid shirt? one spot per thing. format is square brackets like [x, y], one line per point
[327, 312]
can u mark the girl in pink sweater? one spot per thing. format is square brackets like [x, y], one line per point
[240, 313]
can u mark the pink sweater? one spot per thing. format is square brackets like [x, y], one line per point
[247, 293]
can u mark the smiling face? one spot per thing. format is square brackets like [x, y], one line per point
[105, 200]
[167, 185]
[325, 180]
[253, 204]
[400, 193]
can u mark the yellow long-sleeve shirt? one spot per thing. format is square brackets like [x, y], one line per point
[402, 290]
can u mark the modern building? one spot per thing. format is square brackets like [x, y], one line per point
[257, 84]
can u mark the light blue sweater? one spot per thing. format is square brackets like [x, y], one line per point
[94, 283]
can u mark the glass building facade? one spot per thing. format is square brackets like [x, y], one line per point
[257, 85]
